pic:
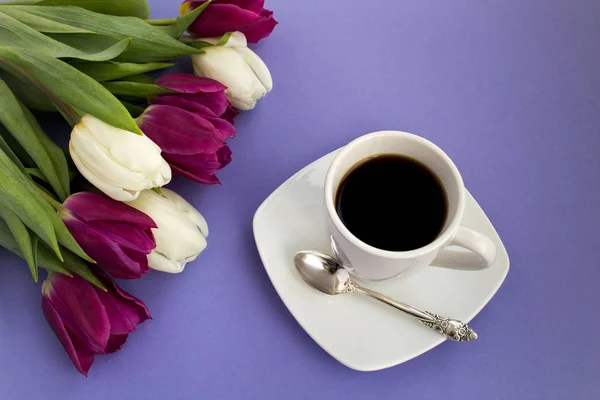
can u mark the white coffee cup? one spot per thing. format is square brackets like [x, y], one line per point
[373, 264]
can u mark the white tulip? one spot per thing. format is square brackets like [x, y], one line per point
[118, 162]
[236, 66]
[181, 233]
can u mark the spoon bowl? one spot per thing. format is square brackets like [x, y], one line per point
[321, 272]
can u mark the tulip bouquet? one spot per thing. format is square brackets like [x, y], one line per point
[99, 211]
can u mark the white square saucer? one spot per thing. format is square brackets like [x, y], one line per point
[357, 331]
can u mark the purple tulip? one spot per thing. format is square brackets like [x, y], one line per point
[87, 320]
[222, 16]
[191, 126]
[118, 237]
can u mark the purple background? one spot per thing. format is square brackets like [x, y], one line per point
[509, 88]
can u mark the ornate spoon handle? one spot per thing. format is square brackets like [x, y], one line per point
[453, 329]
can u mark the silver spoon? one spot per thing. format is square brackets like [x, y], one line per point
[325, 274]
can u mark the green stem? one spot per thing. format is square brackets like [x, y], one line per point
[53, 202]
[160, 22]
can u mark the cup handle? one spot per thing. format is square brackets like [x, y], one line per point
[481, 254]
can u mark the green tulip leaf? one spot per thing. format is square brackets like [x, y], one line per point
[40, 24]
[78, 266]
[32, 96]
[24, 128]
[53, 208]
[48, 260]
[109, 71]
[36, 173]
[9, 152]
[201, 44]
[44, 257]
[224, 39]
[96, 47]
[135, 89]
[197, 43]
[18, 195]
[66, 239]
[22, 238]
[147, 42]
[35, 240]
[68, 85]
[55, 152]
[184, 21]
[16, 148]
[141, 78]
[132, 8]
[134, 110]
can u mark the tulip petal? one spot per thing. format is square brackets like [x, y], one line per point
[250, 5]
[115, 343]
[177, 100]
[225, 127]
[200, 167]
[203, 177]
[159, 262]
[134, 152]
[217, 102]
[221, 123]
[224, 156]
[126, 235]
[178, 237]
[258, 66]
[163, 175]
[80, 356]
[218, 19]
[105, 250]
[124, 311]
[177, 131]
[204, 105]
[261, 28]
[104, 167]
[113, 191]
[117, 162]
[237, 39]
[191, 212]
[228, 66]
[230, 114]
[140, 258]
[187, 83]
[90, 206]
[115, 235]
[81, 310]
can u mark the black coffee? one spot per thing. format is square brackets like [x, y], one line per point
[392, 202]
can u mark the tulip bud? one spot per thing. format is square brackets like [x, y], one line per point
[236, 66]
[115, 235]
[222, 16]
[118, 162]
[190, 126]
[89, 321]
[193, 145]
[181, 233]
